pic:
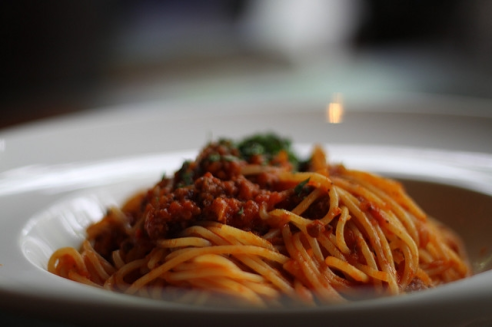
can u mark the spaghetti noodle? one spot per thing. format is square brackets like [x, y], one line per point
[251, 222]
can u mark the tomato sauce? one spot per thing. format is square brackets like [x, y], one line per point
[212, 188]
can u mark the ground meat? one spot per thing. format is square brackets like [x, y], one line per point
[220, 159]
[235, 202]
[212, 188]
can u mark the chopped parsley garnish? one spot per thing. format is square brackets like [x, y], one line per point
[228, 143]
[229, 157]
[300, 187]
[267, 145]
[185, 175]
[187, 178]
[213, 157]
[241, 211]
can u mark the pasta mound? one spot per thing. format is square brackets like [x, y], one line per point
[251, 222]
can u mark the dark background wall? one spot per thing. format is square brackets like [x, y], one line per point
[59, 56]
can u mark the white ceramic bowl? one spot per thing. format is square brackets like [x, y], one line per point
[58, 176]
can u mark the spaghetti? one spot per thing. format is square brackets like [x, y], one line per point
[251, 222]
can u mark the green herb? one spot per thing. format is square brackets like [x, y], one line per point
[250, 148]
[228, 143]
[214, 157]
[299, 188]
[241, 211]
[185, 174]
[267, 145]
[229, 157]
[187, 178]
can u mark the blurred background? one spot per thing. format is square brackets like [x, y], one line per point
[61, 57]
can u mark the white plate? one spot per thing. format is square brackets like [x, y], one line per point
[57, 176]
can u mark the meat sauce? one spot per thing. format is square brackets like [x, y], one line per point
[211, 188]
